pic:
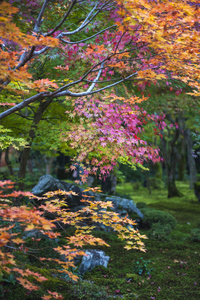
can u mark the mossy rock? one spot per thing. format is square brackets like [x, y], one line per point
[152, 216]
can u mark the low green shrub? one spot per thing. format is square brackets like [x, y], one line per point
[152, 216]
[160, 231]
[141, 205]
[195, 235]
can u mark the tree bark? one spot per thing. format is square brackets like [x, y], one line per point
[1, 152]
[26, 152]
[170, 155]
[108, 185]
[49, 162]
[181, 159]
[191, 160]
[8, 162]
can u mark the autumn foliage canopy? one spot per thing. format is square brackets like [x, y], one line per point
[99, 45]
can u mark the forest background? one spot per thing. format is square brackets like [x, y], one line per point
[111, 86]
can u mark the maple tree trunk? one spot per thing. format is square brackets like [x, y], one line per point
[108, 185]
[26, 152]
[49, 162]
[1, 152]
[170, 155]
[181, 159]
[191, 161]
[171, 184]
[8, 162]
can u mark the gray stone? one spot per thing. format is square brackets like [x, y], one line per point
[37, 234]
[34, 233]
[93, 259]
[121, 205]
[47, 183]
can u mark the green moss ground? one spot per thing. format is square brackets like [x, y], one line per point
[169, 269]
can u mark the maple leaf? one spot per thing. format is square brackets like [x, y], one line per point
[27, 284]
[18, 240]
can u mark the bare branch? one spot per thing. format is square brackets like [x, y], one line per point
[39, 52]
[63, 20]
[23, 104]
[87, 20]
[83, 25]
[58, 94]
[96, 79]
[90, 37]
[39, 19]
[88, 92]
[119, 41]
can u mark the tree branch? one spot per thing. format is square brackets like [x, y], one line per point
[39, 19]
[58, 94]
[23, 104]
[89, 92]
[86, 21]
[63, 20]
[88, 38]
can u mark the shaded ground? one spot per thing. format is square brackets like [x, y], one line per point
[168, 270]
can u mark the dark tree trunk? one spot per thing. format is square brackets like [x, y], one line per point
[181, 159]
[191, 160]
[8, 162]
[1, 152]
[171, 183]
[109, 184]
[26, 152]
[49, 162]
[170, 156]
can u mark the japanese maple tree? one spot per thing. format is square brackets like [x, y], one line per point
[103, 56]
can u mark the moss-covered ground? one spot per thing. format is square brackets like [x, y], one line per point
[170, 268]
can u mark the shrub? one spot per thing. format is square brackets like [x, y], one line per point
[141, 205]
[195, 235]
[161, 232]
[152, 216]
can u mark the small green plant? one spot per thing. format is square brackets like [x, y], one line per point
[142, 267]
